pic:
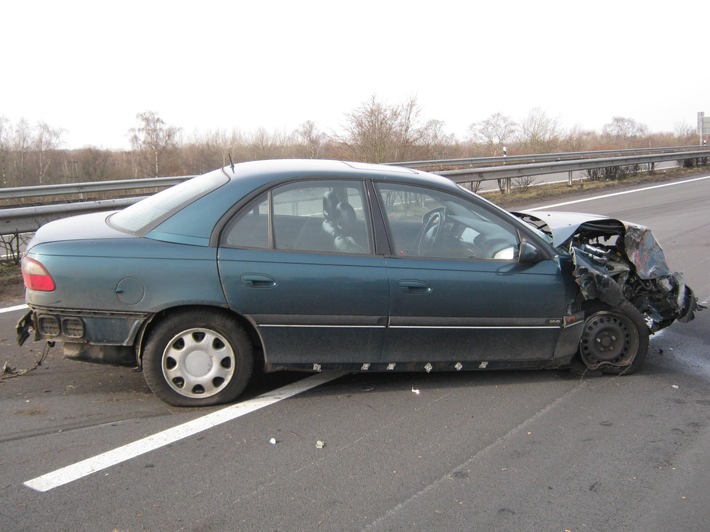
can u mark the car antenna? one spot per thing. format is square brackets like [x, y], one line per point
[231, 163]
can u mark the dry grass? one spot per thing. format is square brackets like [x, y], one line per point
[11, 286]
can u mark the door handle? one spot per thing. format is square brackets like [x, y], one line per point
[412, 286]
[257, 280]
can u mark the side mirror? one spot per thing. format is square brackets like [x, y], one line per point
[528, 253]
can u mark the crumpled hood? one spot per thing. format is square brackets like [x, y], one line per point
[642, 248]
[616, 260]
[562, 225]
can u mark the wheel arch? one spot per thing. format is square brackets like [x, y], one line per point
[247, 325]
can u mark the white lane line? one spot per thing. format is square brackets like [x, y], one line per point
[105, 460]
[12, 309]
[611, 195]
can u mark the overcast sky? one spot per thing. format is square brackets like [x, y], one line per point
[89, 67]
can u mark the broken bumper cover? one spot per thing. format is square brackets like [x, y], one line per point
[92, 336]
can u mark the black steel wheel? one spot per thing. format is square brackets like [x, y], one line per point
[198, 358]
[614, 340]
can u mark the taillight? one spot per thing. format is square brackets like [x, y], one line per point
[36, 276]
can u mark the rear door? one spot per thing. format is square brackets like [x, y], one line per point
[298, 263]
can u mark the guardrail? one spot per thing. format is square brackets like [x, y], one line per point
[555, 167]
[94, 186]
[505, 159]
[27, 219]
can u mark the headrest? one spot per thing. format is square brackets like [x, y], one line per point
[330, 203]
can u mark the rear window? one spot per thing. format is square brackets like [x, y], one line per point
[141, 217]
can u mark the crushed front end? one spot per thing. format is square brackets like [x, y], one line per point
[616, 261]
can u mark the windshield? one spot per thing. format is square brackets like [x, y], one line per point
[141, 217]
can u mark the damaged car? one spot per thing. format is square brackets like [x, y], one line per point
[329, 265]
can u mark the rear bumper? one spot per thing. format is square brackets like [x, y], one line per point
[119, 355]
[87, 335]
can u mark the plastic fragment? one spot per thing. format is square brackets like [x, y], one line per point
[674, 386]
[320, 444]
[272, 441]
[416, 391]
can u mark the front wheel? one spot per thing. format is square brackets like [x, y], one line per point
[615, 339]
[198, 358]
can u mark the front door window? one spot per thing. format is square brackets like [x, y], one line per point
[428, 223]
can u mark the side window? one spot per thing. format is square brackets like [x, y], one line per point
[429, 223]
[251, 228]
[320, 216]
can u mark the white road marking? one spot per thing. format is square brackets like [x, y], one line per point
[12, 309]
[116, 456]
[611, 195]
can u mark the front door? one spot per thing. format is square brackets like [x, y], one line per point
[458, 293]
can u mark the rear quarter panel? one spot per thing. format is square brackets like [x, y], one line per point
[156, 275]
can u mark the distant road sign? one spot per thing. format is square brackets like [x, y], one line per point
[703, 126]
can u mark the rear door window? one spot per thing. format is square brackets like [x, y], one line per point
[317, 216]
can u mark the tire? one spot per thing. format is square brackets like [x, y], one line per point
[615, 339]
[198, 358]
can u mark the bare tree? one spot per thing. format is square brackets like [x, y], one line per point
[408, 132]
[265, 145]
[495, 132]
[539, 133]
[90, 164]
[578, 139]
[21, 147]
[685, 134]
[435, 142]
[45, 144]
[310, 140]
[152, 140]
[4, 150]
[684, 130]
[624, 131]
[377, 133]
[206, 151]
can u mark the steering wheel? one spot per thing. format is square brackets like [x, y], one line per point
[431, 230]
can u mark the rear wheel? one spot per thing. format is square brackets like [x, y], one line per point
[614, 340]
[198, 358]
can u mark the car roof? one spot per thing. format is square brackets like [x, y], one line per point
[275, 170]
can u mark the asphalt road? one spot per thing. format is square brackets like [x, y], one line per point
[540, 450]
